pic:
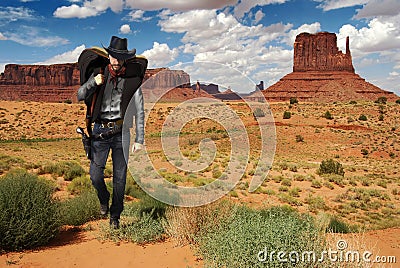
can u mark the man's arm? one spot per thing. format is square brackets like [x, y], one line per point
[139, 116]
[90, 86]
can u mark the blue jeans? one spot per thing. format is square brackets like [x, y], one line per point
[100, 152]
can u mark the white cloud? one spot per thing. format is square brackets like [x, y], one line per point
[89, 9]
[66, 57]
[2, 37]
[379, 35]
[160, 55]
[180, 5]
[125, 29]
[9, 14]
[137, 15]
[75, 11]
[246, 5]
[34, 36]
[327, 5]
[258, 16]
[394, 74]
[376, 8]
[308, 28]
[2, 67]
[218, 37]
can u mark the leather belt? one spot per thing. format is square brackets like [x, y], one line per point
[111, 124]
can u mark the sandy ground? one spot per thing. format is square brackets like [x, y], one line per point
[82, 249]
[77, 248]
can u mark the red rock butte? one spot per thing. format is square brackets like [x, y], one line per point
[59, 82]
[323, 73]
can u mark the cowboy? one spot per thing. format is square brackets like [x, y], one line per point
[115, 89]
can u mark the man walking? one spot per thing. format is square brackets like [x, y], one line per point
[111, 91]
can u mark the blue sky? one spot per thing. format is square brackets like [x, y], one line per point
[254, 37]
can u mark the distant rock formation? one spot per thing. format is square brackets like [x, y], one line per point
[321, 72]
[62, 75]
[59, 82]
[319, 52]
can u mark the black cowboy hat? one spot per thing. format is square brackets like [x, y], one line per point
[118, 48]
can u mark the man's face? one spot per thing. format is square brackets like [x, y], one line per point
[115, 63]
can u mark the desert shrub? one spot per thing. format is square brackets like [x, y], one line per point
[398, 101]
[188, 225]
[29, 215]
[353, 102]
[331, 166]
[238, 240]
[328, 115]
[79, 185]
[132, 188]
[293, 100]
[67, 169]
[80, 209]
[8, 162]
[363, 117]
[258, 112]
[315, 203]
[295, 192]
[381, 100]
[142, 222]
[287, 115]
[286, 182]
[364, 151]
[381, 117]
[316, 183]
[338, 226]
[336, 179]
[299, 138]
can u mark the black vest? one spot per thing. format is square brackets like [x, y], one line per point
[132, 81]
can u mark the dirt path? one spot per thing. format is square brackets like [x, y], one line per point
[74, 248]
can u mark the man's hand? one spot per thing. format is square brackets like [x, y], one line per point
[99, 79]
[137, 147]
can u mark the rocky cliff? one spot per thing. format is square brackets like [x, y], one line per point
[322, 73]
[59, 82]
[319, 52]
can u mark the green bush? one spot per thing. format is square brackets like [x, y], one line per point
[381, 100]
[79, 185]
[328, 115]
[238, 241]
[363, 117]
[67, 169]
[132, 188]
[338, 226]
[331, 166]
[80, 209]
[299, 138]
[293, 100]
[138, 229]
[398, 101]
[29, 215]
[287, 115]
[7, 162]
[258, 112]
[142, 222]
